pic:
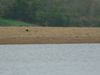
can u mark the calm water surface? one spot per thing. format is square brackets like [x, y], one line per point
[62, 59]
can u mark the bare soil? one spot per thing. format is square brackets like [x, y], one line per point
[48, 35]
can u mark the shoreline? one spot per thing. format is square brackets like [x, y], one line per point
[49, 35]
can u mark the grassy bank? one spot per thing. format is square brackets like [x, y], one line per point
[8, 22]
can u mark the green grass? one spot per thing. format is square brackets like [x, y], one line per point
[7, 22]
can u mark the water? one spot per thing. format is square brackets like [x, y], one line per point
[65, 59]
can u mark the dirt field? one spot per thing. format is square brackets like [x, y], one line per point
[48, 35]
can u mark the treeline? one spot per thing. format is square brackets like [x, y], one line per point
[52, 12]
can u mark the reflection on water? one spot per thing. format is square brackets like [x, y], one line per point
[65, 59]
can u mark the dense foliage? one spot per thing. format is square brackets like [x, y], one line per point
[52, 12]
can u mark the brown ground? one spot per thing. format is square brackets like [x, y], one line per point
[48, 35]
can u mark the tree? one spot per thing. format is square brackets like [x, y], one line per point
[92, 8]
[5, 6]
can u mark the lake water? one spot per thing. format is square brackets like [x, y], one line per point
[61, 59]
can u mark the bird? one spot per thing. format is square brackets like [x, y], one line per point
[27, 30]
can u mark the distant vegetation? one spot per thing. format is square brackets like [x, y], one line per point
[66, 13]
[6, 22]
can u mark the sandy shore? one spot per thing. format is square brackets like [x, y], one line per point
[48, 35]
